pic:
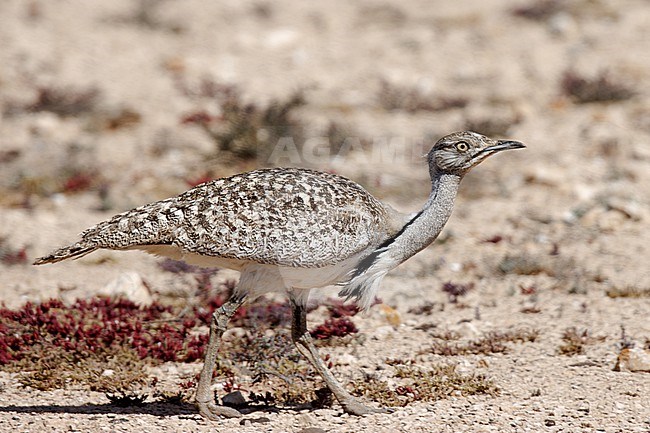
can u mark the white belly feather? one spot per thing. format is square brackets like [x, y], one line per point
[258, 278]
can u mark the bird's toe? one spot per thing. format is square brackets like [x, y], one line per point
[213, 412]
[359, 409]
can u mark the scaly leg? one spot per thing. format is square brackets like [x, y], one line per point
[204, 395]
[305, 345]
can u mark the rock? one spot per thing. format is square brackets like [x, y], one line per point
[468, 330]
[234, 334]
[633, 359]
[384, 332]
[629, 209]
[346, 359]
[456, 267]
[312, 430]
[603, 219]
[234, 399]
[249, 421]
[563, 24]
[130, 286]
[281, 38]
[390, 314]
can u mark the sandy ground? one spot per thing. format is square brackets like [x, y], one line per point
[571, 211]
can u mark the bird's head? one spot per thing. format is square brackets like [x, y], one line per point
[457, 153]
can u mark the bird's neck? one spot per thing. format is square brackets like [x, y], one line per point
[414, 236]
[425, 227]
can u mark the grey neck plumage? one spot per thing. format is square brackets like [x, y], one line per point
[416, 235]
[425, 227]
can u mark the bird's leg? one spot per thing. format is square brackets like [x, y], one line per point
[204, 396]
[305, 345]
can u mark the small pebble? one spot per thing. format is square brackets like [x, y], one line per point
[260, 420]
[234, 399]
[312, 430]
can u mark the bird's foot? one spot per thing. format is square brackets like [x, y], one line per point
[213, 412]
[355, 407]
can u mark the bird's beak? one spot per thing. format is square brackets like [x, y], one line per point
[504, 145]
[498, 147]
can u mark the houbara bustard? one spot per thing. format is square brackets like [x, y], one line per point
[290, 230]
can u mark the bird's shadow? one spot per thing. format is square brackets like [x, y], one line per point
[161, 409]
[154, 408]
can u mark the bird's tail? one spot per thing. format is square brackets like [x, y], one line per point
[74, 251]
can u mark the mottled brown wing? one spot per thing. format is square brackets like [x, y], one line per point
[288, 217]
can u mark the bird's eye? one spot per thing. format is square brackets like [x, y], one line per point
[461, 146]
